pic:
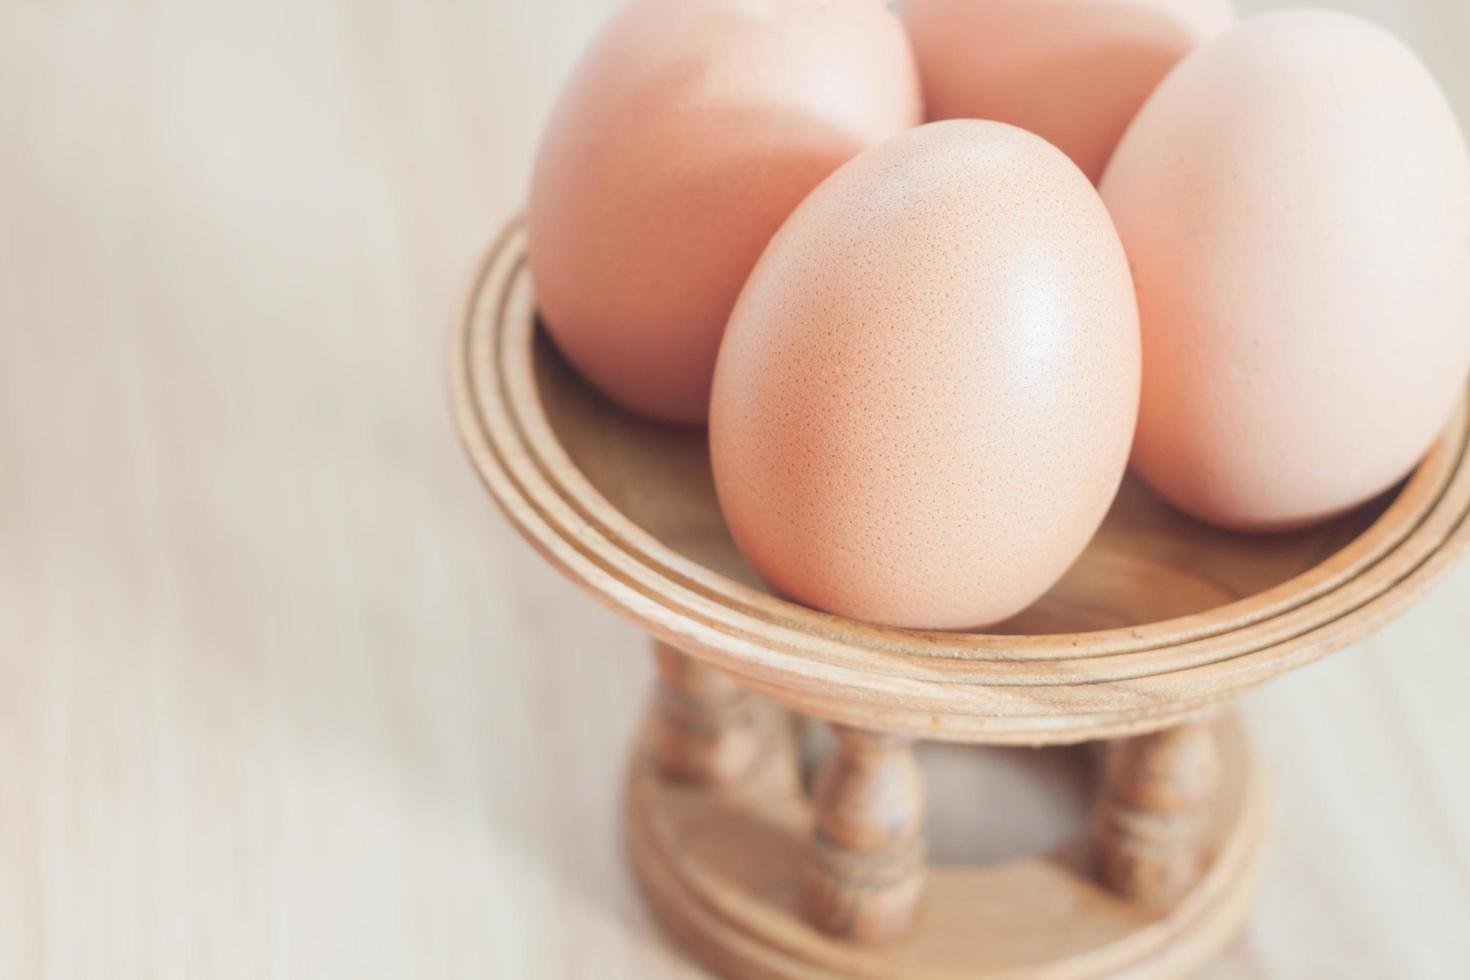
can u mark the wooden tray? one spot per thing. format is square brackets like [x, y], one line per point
[1159, 617]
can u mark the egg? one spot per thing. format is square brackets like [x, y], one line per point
[925, 397]
[1295, 202]
[1072, 71]
[687, 134]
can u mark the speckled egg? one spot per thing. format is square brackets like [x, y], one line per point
[687, 134]
[924, 400]
[1073, 71]
[1295, 201]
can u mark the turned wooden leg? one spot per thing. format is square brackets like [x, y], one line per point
[704, 723]
[865, 871]
[1158, 794]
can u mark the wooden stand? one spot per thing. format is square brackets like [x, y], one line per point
[1159, 624]
[761, 880]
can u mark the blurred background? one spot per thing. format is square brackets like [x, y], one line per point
[281, 694]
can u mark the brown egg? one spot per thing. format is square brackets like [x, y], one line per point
[688, 133]
[924, 401]
[1073, 71]
[1295, 202]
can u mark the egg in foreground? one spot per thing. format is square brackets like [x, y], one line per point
[924, 400]
[688, 132]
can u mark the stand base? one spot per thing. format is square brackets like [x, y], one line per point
[721, 865]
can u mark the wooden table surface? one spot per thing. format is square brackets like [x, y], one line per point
[283, 695]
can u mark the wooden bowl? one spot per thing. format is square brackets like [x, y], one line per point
[1160, 616]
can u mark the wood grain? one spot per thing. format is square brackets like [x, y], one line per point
[282, 697]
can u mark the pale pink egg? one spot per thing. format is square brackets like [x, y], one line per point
[688, 133]
[1295, 202]
[1072, 71]
[925, 398]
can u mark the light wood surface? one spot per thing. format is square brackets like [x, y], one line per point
[284, 697]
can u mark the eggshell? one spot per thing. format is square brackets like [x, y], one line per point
[687, 134]
[1073, 71]
[1295, 202]
[924, 401]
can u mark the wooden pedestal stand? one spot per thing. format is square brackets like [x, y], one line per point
[1160, 623]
